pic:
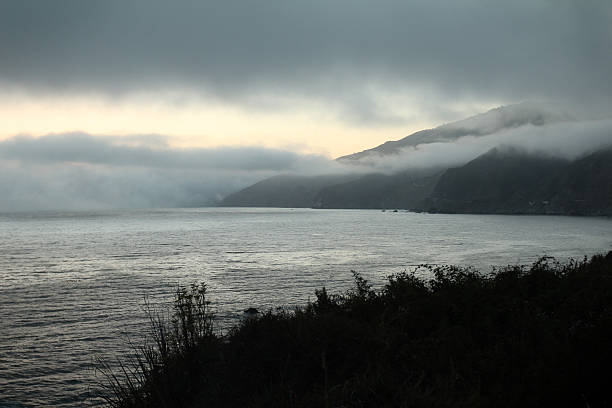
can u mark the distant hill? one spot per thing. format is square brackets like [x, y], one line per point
[284, 191]
[494, 120]
[509, 181]
[402, 190]
[501, 181]
[585, 186]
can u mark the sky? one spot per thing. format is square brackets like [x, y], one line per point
[238, 81]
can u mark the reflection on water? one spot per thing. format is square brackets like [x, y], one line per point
[72, 284]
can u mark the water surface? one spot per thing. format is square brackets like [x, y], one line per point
[72, 284]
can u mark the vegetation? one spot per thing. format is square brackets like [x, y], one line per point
[501, 181]
[527, 337]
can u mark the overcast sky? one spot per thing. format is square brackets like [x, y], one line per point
[321, 76]
[179, 102]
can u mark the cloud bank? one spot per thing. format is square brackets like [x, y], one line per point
[80, 171]
[568, 140]
[348, 54]
[84, 148]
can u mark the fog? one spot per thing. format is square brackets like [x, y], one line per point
[567, 139]
[136, 151]
[83, 171]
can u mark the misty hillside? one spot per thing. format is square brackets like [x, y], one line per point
[501, 181]
[283, 191]
[492, 121]
[510, 181]
[486, 179]
[402, 190]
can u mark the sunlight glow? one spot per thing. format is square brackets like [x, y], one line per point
[195, 122]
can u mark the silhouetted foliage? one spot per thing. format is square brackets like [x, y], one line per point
[527, 337]
[171, 364]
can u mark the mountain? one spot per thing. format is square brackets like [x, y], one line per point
[502, 181]
[510, 181]
[585, 186]
[402, 190]
[505, 117]
[284, 191]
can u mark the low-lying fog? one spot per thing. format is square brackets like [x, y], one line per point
[83, 171]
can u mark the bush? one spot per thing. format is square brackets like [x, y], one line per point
[524, 337]
[171, 364]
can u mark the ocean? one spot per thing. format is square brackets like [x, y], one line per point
[73, 284]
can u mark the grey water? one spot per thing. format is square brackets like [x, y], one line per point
[73, 284]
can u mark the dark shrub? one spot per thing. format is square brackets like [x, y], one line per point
[519, 337]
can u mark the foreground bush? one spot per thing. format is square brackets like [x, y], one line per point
[527, 337]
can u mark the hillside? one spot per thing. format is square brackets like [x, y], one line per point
[510, 181]
[283, 191]
[494, 120]
[503, 181]
[402, 190]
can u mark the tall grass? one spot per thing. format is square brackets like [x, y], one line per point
[533, 337]
[169, 366]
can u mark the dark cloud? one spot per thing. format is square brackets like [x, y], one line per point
[330, 50]
[136, 151]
